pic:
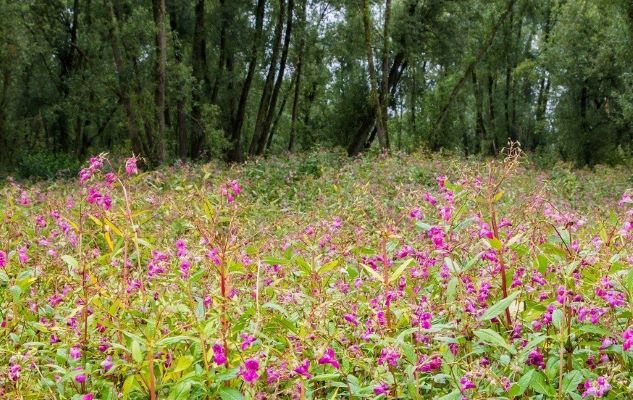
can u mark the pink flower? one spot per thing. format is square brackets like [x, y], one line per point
[383, 388]
[130, 166]
[329, 357]
[88, 396]
[247, 340]
[303, 369]
[75, 352]
[24, 198]
[627, 337]
[81, 378]
[388, 356]
[466, 383]
[107, 363]
[535, 357]
[248, 371]
[219, 355]
[22, 256]
[3, 259]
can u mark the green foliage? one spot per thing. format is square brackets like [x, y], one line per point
[45, 165]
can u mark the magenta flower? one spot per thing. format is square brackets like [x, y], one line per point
[627, 339]
[248, 371]
[88, 396]
[303, 369]
[388, 356]
[75, 352]
[107, 363]
[329, 357]
[597, 388]
[535, 357]
[466, 383]
[219, 355]
[3, 259]
[130, 166]
[382, 388]
[81, 378]
[14, 371]
[247, 340]
[22, 256]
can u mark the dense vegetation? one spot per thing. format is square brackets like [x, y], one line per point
[201, 79]
[403, 276]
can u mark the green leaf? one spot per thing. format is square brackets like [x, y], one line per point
[230, 394]
[491, 337]
[571, 381]
[495, 243]
[137, 353]
[71, 261]
[521, 386]
[396, 274]
[373, 273]
[454, 395]
[328, 267]
[539, 384]
[183, 363]
[499, 307]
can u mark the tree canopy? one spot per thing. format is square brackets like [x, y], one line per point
[231, 79]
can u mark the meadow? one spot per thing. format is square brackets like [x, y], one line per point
[315, 277]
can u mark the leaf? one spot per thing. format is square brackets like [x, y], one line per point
[396, 274]
[108, 240]
[451, 289]
[373, 273]
[113, 227]
[522, 385]
[183, 363]
[539, 384]
[71, 261]
[491, 337]
[498, 307]
[230, 394]
[495, 243]
[571, 381]
[328, 267]
[129, 384]
[137, 353]
[498, 196]
[454, 395]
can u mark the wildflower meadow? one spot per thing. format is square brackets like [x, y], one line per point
[316, 277]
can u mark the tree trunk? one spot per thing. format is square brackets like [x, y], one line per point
[297, 78]
[265, 99]
[201, 84]
[235, 151]
[161, 78]
[373, 83]
[384, 92]
[481, 129]
[181, 127]
[123, 91]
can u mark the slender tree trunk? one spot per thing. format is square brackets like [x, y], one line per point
[491, 115]
[265, 99]
[298, 71]
[161, 78]
[201, 83]
[384, 92]
[280, 78]
[372, 75]
[481, 128]
[123, 91]
[282, 106]
[235, 151]
[181, 127]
